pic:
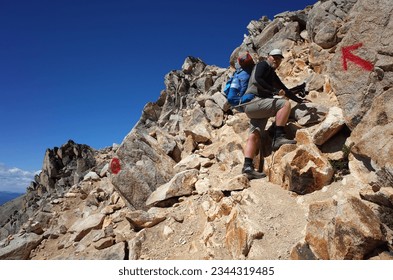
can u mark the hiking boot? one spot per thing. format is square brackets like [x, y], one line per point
[271, 130]
[251, 173]
[281, 140]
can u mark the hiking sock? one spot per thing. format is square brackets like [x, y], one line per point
[250, 172]
[248, 161]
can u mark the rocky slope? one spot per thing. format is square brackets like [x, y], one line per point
[173, 188]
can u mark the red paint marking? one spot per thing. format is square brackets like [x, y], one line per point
[348, 55]
[115, 166]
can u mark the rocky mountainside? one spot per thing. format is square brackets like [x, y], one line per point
[173, 188]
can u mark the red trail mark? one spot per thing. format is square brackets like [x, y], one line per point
[348, 55]
[115, 166]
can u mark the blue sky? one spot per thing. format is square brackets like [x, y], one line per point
[84, 69]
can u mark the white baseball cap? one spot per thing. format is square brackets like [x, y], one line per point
[276, 52]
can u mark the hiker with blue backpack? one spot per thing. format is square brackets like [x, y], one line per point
[259, 103]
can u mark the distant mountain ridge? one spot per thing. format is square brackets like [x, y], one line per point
[7, 196]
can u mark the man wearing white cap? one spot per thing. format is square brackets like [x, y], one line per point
[264, 84]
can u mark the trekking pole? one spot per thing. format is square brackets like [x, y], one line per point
[261, 154]
[244, 104]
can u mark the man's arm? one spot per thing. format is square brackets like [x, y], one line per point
[288, 93]
[292, 96]
[278, 83]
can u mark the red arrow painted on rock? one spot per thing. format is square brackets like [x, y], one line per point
[348, 55]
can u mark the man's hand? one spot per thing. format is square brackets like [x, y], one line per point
[292, 96]
[279, 92]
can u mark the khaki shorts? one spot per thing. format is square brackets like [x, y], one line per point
[260, 110]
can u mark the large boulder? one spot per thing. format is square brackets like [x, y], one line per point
[373, 137]
[141, 167]
[345, 228]
[362, 83]
[19, 248]
[300, 168]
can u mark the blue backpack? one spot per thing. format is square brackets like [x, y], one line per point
[236, 87]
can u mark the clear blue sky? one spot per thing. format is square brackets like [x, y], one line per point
[84, 69]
